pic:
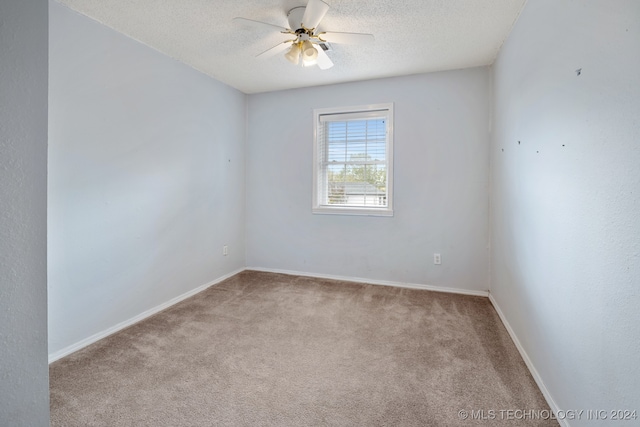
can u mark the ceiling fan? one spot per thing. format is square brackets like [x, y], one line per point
[307, 45]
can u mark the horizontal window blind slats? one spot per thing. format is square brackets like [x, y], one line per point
[357, 115]
[352, 159]
[373, 162]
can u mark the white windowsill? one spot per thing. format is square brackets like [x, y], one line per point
[326, 210]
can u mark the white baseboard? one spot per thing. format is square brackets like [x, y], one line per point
[375, 282]
[100, 335]
[534, 372]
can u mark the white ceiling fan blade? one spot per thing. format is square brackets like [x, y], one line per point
[346, 38]
[260, 24]
[313, 14]
[280, 47]
[324, 62]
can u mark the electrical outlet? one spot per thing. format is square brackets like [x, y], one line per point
[225, 250]
[437, 260]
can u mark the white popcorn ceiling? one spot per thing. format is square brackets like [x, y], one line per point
[411, 37]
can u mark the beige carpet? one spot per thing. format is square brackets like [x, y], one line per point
[276, 350]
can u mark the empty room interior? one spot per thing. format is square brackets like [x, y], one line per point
[417, 213]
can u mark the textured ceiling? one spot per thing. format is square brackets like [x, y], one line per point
[412, 36]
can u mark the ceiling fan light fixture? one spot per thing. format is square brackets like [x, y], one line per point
[309, 54]
[307, 45]
[293, 55]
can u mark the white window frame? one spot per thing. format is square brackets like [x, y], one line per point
[362, 110]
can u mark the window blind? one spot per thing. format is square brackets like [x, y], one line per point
[353, 159]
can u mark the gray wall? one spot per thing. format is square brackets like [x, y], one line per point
[566, 200]
[146, 179]
[24, 374]
[440, 185]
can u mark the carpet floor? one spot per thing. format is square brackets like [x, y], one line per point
[265, 349]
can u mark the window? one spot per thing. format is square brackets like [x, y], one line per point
[353, 153]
